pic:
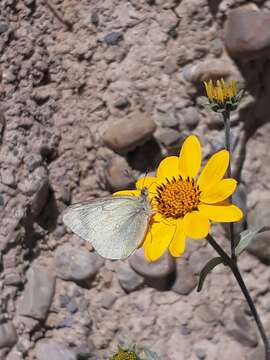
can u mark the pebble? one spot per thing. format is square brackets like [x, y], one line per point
[118, 174]
[165, 117]
[72, 307]
[107, 299]
[54, 351]
[207, 314]
[121, 103]
[94, 19]
[185, 279]
[3, 27]
[247, 33]
[168, 137]
[41, 197]
[211, 69]
[241, 328]
[191, 117]
[113, 38]
[128, 278]
[129, 132]
[161, 268]
[8, 177]
[64, 300]
[8, 335]
[198, 260]
[38, 293]
[72, 263]
[259, 217]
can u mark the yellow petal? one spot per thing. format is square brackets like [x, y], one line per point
[196, 225]
[214, 170]
[221, 213]
[219, 192]
[157, 239]
[190, 157]
[178, 243]
[128, 193]
[168, 168]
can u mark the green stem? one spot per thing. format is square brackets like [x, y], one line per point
[227, 126]
[235, 270]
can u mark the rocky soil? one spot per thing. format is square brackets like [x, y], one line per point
[88, 90]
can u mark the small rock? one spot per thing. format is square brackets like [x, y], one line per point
[191, 117]
[3, 27]
[167, 4]
[13, 277]
[258, 217]
[33, 161]
[38, 293]
[72, 307]
[66, 323]
[8, 177]
[118, 174]
[168, 137]
[185, 280]
[214, 69]
[161, 268]
[121, 103]
[239, 198]
[42, 94]
[76, 264]
[8, 335]
[113, 38]
[241, 328]
[41, 197]
[247, 33]
[64, 300]
[94, 18]
[201, 353]
[107, 300]
[258, 354]
[127, 133]
[128, 278]
[54, 351]
[2, 201]
[199, 259]
[207, 314]
[165, 117]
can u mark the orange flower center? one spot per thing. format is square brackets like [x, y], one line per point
[177, 197]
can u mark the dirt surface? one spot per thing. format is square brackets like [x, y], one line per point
[91, 91]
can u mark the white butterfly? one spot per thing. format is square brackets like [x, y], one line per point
[114, 225]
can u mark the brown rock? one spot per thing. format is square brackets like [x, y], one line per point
[163, 267]
[247, 33]
[127, 133]
[210, 69]
[259, 217]
[185, 279]
[118, 174]
[8, 335]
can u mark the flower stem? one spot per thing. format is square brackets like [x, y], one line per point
[227, 126]
[235, 270]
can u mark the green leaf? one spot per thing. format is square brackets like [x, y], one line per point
[206, 270]
[150, 355]
[247, 236]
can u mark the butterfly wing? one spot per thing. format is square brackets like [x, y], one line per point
[115, 225]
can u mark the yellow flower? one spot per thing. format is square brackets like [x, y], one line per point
[222, 96]
[184, 204]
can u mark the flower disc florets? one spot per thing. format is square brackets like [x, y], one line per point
[177, 197]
